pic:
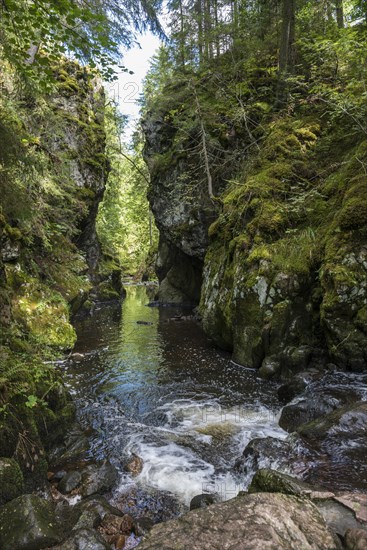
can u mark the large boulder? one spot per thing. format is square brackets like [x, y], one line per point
[251, 522]
[28, 523]
[341, 512]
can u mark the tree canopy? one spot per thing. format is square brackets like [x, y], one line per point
[34, 34]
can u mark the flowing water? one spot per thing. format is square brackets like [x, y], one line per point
[152, 384]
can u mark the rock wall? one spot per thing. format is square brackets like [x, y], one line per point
[182, 209]
[284, 278]
[52, 178]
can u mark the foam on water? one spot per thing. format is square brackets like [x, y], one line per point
[177, 468]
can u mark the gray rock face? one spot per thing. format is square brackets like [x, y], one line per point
[70, 481]
[252, 522]
[98, 478]
[88, 175]
[179, 275]
[9, 250]
[182, 209]
[28, 523]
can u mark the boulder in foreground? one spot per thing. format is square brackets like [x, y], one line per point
[250, 522]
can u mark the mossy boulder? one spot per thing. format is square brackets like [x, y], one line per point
[271, 481]
[11, 480]
[28, 523]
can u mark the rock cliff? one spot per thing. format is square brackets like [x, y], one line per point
[284, 278]
[53, 171]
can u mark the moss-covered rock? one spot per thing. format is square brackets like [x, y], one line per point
[55, 169]
[271, 481]
[27, 523]
[285, 271]
[11, 480]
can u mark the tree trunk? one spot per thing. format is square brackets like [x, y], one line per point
[340, 13]
[182, 37]
[199, 17]
[287, 49]
[217, 31]
[286, 54]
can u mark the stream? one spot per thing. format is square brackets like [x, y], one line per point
[149, 382]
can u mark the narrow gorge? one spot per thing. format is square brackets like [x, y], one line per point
[183, 305]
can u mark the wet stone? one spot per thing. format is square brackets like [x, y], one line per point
[142, 526]
[135, 465]
[99, 506]
[98, 478]
[69, 482]
[315, 405]
[202, 501]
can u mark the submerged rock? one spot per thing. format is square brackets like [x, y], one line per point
[349, 421]
[142, 526]
[150, 503]
[340, 442]
[28, 523]
[134, 465]
[251, 522]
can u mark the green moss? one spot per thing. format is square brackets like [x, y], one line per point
[45, 314]
[353, 214]
[11, 480]
[361, 319]
[13, 233]
[270, 218]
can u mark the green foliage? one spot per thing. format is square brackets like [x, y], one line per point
[34, 36]
[125, 225]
